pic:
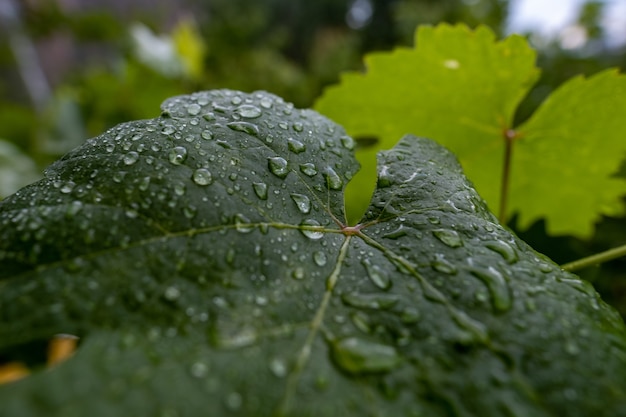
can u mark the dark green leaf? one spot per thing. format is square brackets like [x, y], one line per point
[203, 259]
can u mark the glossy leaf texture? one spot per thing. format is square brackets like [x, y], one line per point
[461, 88]
[202, 258]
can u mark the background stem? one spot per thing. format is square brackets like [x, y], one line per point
[509, 136]
[596, 259]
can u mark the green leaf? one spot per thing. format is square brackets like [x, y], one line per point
[568, 154]
[202, 258]
[458, 87]
[461, 88]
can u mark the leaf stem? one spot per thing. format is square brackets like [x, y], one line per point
[596, 259]
[509, 137]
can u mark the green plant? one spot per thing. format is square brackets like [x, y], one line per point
[205, 261]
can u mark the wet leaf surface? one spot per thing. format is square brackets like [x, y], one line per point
[204, 261]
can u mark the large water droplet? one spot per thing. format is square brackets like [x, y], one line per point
[242, 224]
[244, 127]
[333, 180]
[312, 229]
[260, 189]
[497, 286]
[372, 301]
[377, 275]
[249, 111]
[441, 264]
[357, 356]
[308, 169]
[178, 155]
[168, 130]
[298, 127]
[347, 142]
[130, 158]
[504, 249]
[397, 233]
[193, 109]
[302, 202]
[319, 258]
[278, 166]
[448, 237]
[202, 176]
[295, 146]
[206, 134]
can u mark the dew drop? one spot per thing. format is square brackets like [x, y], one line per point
[298, 273]
[249, 111]
[357, 356]
[347, 142]
[202, 176]
[308, 169]
[319, 258]
[312, 229]
[260, 189]
[298, 127]
[377, 275]
[242, 224]
[397, 233]
[206, 134]
[295, 146]
[448, 237]
[302, 202]
[193, 109]
[266, 102]
[497, 286]
[168, 130]
[244, 127]
[442, 265]
[371, 301]
[278, 166]
[67, 187]
[504, 249]
[130, 158]
[178, 155]
[333, 180]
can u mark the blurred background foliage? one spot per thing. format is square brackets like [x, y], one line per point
[70, 69]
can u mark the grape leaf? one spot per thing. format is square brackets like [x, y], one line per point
[461, 88]
[203, 259]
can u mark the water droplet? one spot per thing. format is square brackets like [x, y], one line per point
[441, 264]
[410, 315]
[504, 249]
[193, 109]
[347, 142]
[242, 224]
[199, 369]
[319, 258]
[295, 146]
[249, 111]
[266, 102]
[397, 233]
[278, 367]
[377, 275]
[260, 189]
[178, 155]
[202, 176]
[206, 134]
[298, 273]
[67, 187]
[497, 286]
[312, 229]
[130, 158]
[448, 237]
[357, 356]
[172, 293]
[302, 202]
[244, 127]
[179, 188]
[298, 127]
[278, 166]
[308, 169]
[373, 301]
[333, 180]
[168, 130]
